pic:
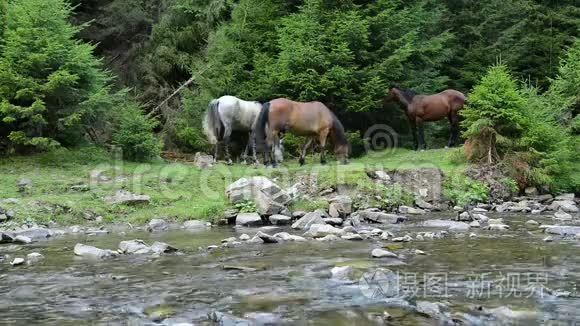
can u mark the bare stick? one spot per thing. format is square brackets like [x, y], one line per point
[189, 81]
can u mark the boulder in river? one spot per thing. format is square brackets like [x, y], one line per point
[328, 238]
[382, 253]
[340, 206]
[266, 238]
[562, 215]
[123, 197]
[278, 219]
[17, 261]
[33, 258]
[93, 252]
[195, 225]
[563, 230]
[342, 273]
[22, 239]
[35, 233]
[162, 248]
[447, 224]
[376, 216]
[285, 236]
[249, 219]
[157, 224]
[134, 247]
[321, 230]
[6, 237]
[307, 220]
[410, 210]
[269, 197]
[568, 206]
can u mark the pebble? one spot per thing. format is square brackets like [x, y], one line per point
[548, 239]
[419, 252]
[532, 222]
[381, 253]
[33, 258]
[17, 261]
[244, 237]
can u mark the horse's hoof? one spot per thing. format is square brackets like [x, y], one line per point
[229, 162]
[323, 162]
[301, 161]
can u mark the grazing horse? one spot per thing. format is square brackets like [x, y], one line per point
[423, 108]
[313, 120]
[226, 114]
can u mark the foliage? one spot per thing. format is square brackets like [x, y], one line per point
[247, 206]
[493, 118]
[52, 88]
[462, 190]
[134, 134]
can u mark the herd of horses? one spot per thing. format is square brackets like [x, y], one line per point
[267, 123]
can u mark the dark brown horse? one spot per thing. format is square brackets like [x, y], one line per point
[423, 108]
[313, 120]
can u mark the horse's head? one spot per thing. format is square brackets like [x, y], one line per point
[392, 93]
[341, 153]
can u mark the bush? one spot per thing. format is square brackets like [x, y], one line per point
[52, 88]
[134, 134]
[493, 116]
[461, 190]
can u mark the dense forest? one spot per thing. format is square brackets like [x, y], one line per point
[98, 70]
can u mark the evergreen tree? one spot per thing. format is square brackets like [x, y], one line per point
[52, 88]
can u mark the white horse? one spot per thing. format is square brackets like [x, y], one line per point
[229, 113]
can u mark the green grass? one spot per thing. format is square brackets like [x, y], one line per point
[178, 191]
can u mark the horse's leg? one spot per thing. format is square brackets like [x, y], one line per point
[455, 133]
[322, 140]
[454, 128]
[252, 143]
[227, 134]
[247, 149]
[421, 135]
[304, 150]
[215, 152]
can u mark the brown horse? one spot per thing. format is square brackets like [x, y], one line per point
[313, 120]
[423, 108]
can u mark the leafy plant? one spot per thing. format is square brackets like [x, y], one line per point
[462, 190]
[134, 134]
[247, 206]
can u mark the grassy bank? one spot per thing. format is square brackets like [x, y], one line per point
[178, 191]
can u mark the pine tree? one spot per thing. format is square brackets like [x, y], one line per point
[52, 88]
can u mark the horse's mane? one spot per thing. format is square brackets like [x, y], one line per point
[339, 136]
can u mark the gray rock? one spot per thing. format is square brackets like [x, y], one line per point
[263, 319]
[563, 216]
[288, 237]
[157, 224]
[375, 216]
[419, 252]
[134, 247]
[475, 224]
[548, 239]
[22, 239]
[34, 258]
[352, 237]
[3, 218]
[410, 210]
[249, 219]
[202, 160]
[532, 223]
[568, 206]
[269, 197]
[504, 207]
[340, 206]
[307, 220]
[531, 191]
[196, 225]
[36, 233]
[92, 252]
[328, 238]
[17, 261]
[333, 221]
[162, 248]
[278, 219]
[230, 239]
[425, 183]
[123, 197]
[480, 210]
[298, 214]
[425, 205]
[244, 237]
[224, 319]
[381, 253]
[406, 238]
[447, 224]
[563, 230]
[465, 216]
[431, 309]
[568, 196]
[321, 230]
[24, 185]
[498, 227]
[6, 237]
[266, 238]
[342, 273]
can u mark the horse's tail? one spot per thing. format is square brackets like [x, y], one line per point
[262, 123]
[337, 132]
[212, 124]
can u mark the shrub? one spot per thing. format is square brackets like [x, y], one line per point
[247, 206]
[461, 190]
[493, 116]
[134, 134]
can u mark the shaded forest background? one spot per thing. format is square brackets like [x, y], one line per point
[98, 71]
[343, 53]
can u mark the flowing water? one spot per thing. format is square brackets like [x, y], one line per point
[470, 276]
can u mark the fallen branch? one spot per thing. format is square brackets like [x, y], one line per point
[189, 81]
